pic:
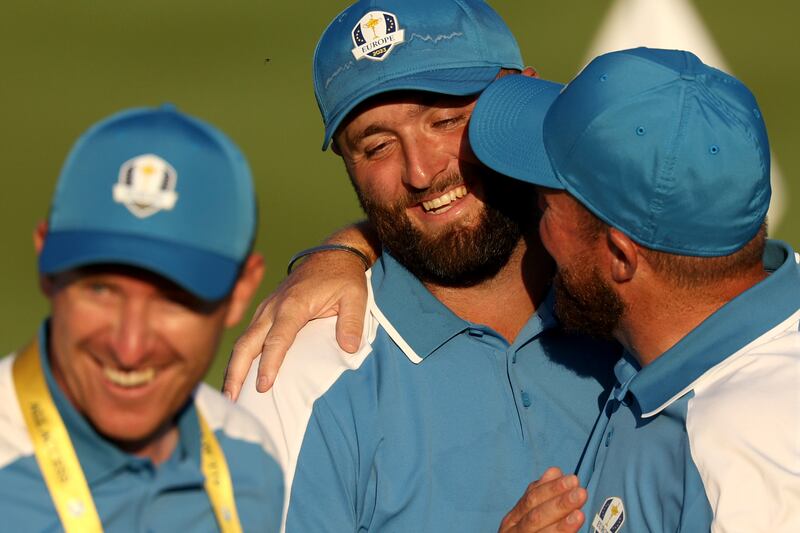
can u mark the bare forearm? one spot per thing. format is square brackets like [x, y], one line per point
[361, 236]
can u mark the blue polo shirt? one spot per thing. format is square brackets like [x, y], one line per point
[131, 493]
[707, 437]
[436, 424]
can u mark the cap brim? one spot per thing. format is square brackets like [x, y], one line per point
[451, 81]
[505, 130]
[206, 275]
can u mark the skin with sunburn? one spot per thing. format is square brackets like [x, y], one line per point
[412, 151]
[645, 322]
[127, 347]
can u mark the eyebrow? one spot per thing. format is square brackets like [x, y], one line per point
[372, 129]
[379, 127]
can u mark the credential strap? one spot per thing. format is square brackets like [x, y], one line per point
[62, 471]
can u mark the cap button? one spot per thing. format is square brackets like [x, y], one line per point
[169, 107]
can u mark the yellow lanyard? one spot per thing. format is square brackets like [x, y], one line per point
[62, 471]
[218, 481]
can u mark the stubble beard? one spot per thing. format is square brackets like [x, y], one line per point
[467, 253]
[585, 303]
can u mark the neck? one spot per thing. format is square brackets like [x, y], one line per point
[652, 324]
[158, 447]
[506, 301]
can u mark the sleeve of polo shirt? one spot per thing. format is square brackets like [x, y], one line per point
[748, 455]
[323, 496]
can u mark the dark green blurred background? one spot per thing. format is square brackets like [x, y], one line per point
[245, 67]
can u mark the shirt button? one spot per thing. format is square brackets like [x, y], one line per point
[526, 399]
[608, 436]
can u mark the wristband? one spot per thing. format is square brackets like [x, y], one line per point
[326, 248]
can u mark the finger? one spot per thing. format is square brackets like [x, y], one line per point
[273, 351]
[572, 523]
[350, 322]
[550, 474]
[260, 310]
[539, 492]
[555, 514]
[247, 347]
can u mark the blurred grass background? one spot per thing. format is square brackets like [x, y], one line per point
[246, 67]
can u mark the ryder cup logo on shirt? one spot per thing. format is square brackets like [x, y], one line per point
[375, 35]
[611, 516]
[146, 185]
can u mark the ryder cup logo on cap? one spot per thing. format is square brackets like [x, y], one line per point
[116, 202]
[146, 185]
[382, 34]
[451, 47]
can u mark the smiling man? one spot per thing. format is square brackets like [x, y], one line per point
[465, 388]
[145, 259]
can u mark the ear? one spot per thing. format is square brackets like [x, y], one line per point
[39, 235]
[246, 286]
[530, 72]
[624, 255]
[335, 147]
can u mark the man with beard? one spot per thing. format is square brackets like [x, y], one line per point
[655, 216]
[464, 387]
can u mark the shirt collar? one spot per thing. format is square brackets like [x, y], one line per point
[418, 322]
[733, 326]
[98, 456]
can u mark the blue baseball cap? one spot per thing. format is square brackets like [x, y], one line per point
[672, 152]
[505, 130]
[453, 47]
[158, 190]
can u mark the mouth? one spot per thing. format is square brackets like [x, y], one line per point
[444, 203]
[134, 378]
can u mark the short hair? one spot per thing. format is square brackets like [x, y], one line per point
[686, 271]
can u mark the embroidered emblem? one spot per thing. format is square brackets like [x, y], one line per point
[375, 35]
[146, 185]
[611, 516]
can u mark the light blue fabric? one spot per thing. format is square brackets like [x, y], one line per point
[199, 242]
[131, 493]
[654, 142]
[505, 129]
[453, 47]
[450, 443]
[646, 461]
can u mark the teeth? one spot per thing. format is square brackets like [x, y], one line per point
[134, 378]
[445, 199]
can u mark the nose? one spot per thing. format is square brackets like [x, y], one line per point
[424, 160]
[133, 337]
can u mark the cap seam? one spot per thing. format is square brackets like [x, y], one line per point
[589, 127]
[479, 40]
[592, 122]
[660, 66]
[665, 180]
[732, 116]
